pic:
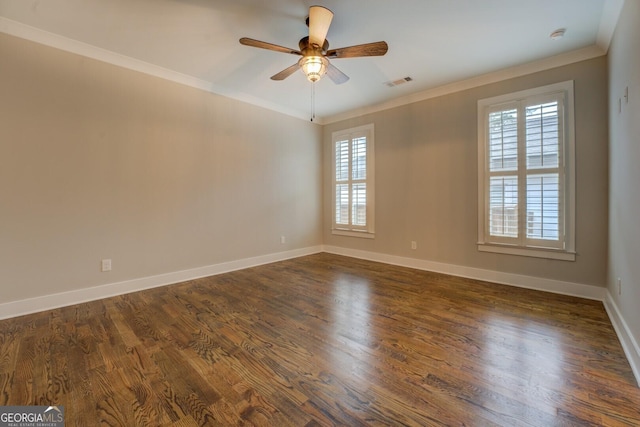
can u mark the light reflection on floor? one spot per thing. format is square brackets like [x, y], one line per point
[526, 357]
[351, 317]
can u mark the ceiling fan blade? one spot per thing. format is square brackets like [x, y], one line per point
[286, 72]
[319, 22]
[368, 49]
[269, 46]
[337, 76]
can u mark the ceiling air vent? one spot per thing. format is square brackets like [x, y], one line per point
[399, 81]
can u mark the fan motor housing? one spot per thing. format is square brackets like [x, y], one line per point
[308, 49]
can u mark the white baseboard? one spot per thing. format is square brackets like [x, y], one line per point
[49, 302]
[519, 280]
[62, 299]
[629, 343]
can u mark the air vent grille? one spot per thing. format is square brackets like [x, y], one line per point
[398, 82]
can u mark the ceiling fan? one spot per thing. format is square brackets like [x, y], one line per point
[315, 52]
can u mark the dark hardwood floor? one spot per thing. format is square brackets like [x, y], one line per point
[323, 340]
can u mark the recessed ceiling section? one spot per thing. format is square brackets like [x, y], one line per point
[437, 43]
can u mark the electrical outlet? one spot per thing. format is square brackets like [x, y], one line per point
[283, 240]
[619, 286]
[414, 245]
[106, 265]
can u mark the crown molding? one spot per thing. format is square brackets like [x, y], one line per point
[493, 77]
[607, 26]
[36, 35]
[610, 15]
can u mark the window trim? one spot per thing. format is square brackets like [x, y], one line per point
[338, 229]
[484, 105]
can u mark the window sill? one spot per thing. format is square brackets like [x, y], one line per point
[351, 233]
[530, 252]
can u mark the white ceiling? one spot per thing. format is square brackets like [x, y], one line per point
[438, 43]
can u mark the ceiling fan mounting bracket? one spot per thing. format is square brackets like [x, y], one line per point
[309, 49]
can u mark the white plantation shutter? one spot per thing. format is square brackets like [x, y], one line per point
[525, 193]
[503, 206]
[342, 182]
[353, 181]
[544, 148]
[342, 204]
[503, 166]
[359, 182]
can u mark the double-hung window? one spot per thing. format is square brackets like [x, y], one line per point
[353, 182]
[526, 173]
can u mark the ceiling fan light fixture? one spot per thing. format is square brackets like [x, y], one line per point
[314, 50]
[314, 67]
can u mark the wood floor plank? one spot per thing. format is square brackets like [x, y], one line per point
[323, 340]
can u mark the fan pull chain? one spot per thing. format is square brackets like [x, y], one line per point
[313, 101]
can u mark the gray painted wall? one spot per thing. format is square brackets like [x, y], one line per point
[624, 200]
[426, 179]
[101, 162]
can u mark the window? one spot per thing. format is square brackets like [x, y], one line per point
[526, 173]
[353, 182]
